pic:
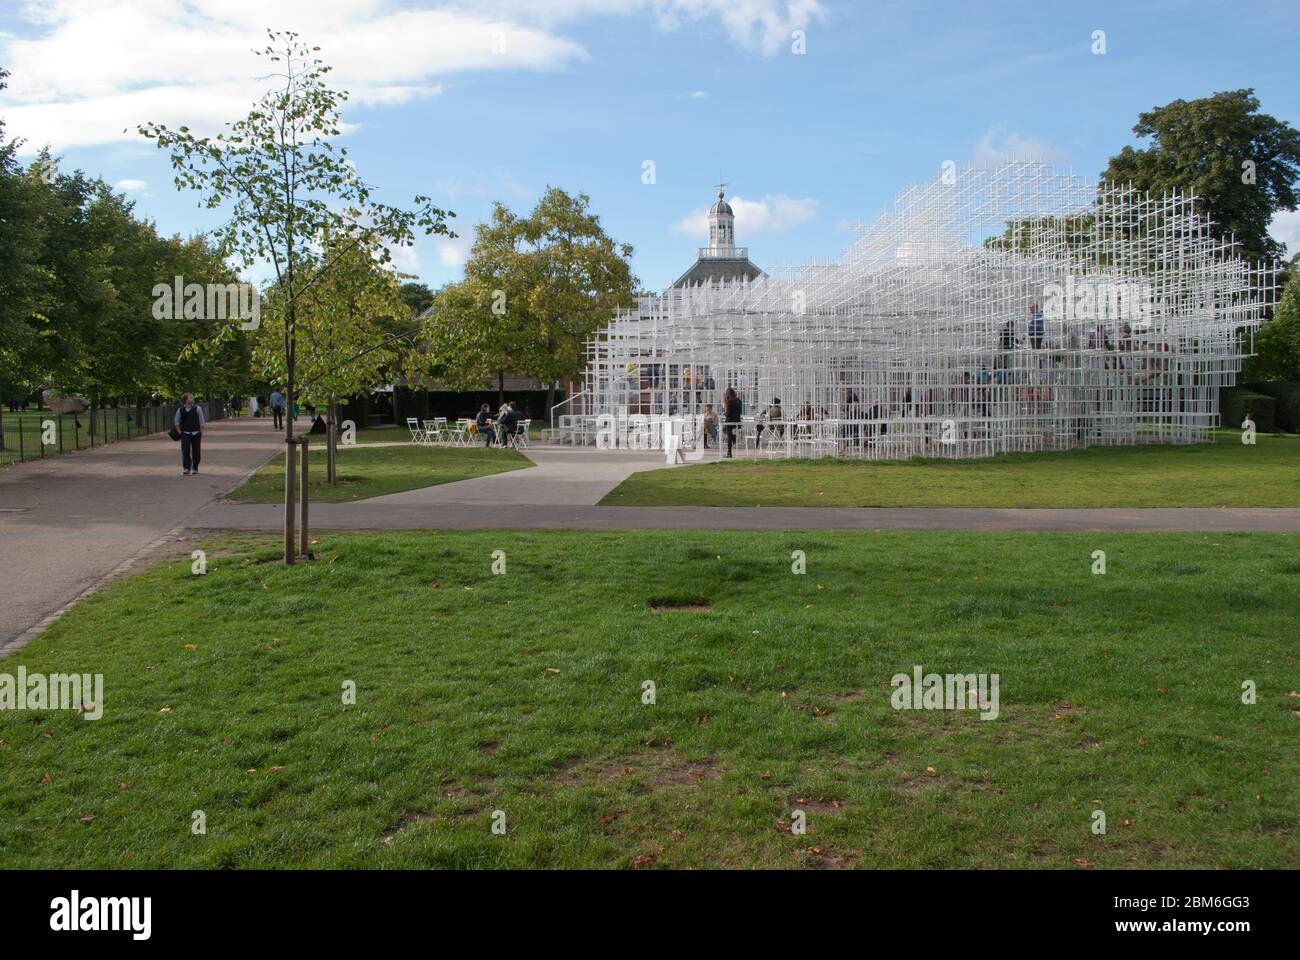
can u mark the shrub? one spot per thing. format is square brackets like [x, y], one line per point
[1235, 401]
[1286, 402]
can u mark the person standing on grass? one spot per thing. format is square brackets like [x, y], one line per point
[189, 421]
[277, 409]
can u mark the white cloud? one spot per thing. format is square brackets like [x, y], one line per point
[1285, 228]
[775, 213]
[999, 145]
[130, 186]
[760, 26]
[453, 251]
[93, 71]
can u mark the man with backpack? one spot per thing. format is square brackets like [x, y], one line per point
[189, 421]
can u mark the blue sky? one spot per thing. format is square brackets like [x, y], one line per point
[475, 102]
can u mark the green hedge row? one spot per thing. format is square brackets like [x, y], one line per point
[1286, 402]
[1235, 401]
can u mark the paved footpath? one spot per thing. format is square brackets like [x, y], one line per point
[562, 490]
[84, 516]
[68, 522]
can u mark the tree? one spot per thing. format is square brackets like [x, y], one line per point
[417, 296]
[343, 346]
[536, 288]
[1241, 164]
[1277, 344]
[286, 185]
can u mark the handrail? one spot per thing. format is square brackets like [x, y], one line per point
[581, 393]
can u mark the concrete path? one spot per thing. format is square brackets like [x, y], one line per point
[68, 522]
[562, 490]
[563, 476]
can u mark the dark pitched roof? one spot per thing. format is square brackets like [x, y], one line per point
[711, 271]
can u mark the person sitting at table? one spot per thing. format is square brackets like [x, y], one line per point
[483, 424]
[770, 418]
[710, 425]
[509, 422]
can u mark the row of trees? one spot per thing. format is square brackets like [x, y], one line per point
[77, 271]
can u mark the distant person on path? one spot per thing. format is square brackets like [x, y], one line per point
[189, 421]
[731, 411]
[277, 409]
[252, 406]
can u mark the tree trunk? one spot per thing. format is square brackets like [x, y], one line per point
[501, 389]
[331, 444]
[289, 491]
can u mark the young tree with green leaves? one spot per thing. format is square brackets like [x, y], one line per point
[286, 184]
[343, 346]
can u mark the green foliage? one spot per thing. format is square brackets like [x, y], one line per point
[417, 297]
[286, 185]
[1208, 147]
[536, 288]
[342, 348]
[1236, 402]
[1277, 344]
[1286, 402]
[77, 272]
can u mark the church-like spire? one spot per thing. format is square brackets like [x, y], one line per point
[722, 226]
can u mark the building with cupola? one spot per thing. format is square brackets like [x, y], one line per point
[721, 260]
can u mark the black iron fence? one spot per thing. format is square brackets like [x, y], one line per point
[35, 434]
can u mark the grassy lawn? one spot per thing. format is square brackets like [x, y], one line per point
[374, 471]
[1222, 474]
[24, 431]
[523, 693]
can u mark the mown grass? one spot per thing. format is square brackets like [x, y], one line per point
[1223, 474]
[374, 471]
[524, 693]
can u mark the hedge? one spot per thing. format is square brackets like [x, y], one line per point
[1286, 402]
[1235, 401]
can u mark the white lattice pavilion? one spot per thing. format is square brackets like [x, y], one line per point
[993, 310]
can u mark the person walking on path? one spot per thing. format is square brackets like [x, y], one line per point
[277, 409]
[190, 422]
[730, 417]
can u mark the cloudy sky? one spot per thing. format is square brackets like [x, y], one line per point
[815, 111]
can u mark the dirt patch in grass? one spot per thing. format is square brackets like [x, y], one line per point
[679, 605]
[658, 768]
[826, 805]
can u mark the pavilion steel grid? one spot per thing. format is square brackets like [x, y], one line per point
[994, 310]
